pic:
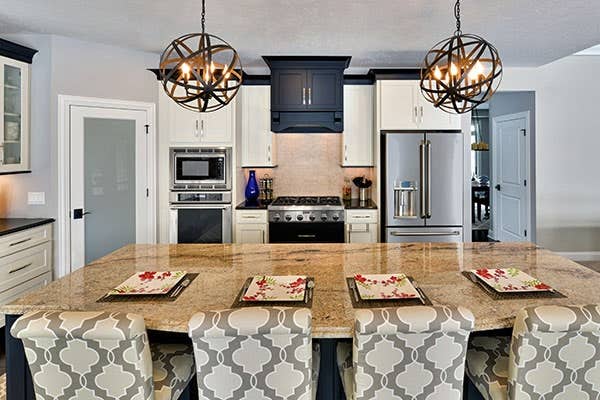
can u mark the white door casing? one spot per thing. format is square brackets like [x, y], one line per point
[72, 112]
[511, 181]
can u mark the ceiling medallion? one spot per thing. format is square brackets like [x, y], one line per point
[200, 72]
[461, 72]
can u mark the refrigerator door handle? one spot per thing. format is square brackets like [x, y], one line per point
[428, 196]
[423, 183]
[453, 233]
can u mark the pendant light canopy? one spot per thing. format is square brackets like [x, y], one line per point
[461, 72]
[200, 72]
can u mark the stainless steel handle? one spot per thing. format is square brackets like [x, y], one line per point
[345, 152]
[19, 242]
[421, 114]
[423, 179]
[453, 233]
[269, 153]
[309, 96]
[416, 116]
[428, 193]
[20, 268]
[263, 236]
[197, 133]
[361, 217]
[307, 236]
[303, 96]
[202, 128]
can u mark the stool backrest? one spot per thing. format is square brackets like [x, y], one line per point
[86, 355]
[253, 352]
[410, 352]
[555, 352]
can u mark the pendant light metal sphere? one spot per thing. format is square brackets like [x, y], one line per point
[460, 73]
[200, 72]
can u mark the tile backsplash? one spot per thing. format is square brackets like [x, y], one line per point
[309, 164]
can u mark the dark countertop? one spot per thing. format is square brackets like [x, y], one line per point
[258, 206]
[12, 225]
[355, 204]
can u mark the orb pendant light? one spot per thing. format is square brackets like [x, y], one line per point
[461, 72]
[200, 72]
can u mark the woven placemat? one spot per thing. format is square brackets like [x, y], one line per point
[141, 298]
[357, 302]
[307, 302]
[553, 294]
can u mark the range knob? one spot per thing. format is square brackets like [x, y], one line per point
[299, 217]
[276, 217]
[288, 217]
[335, 217]
[323, 217]
[312, 217]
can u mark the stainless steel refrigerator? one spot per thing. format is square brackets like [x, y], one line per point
[423, 187]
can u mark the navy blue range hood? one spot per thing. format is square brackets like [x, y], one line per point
[307, 93]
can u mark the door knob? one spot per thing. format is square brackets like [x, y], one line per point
[78, 213]
[497, 187]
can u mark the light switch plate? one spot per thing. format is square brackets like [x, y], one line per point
[36, 198]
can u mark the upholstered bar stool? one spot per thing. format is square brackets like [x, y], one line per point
[410, 352]
[253, 353]
[100, 355]
[554, 353]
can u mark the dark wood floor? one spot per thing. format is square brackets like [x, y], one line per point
[595, 265]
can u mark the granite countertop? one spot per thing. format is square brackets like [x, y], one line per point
[224, 268]
[12, 225]
[356, 204]
[258, 206]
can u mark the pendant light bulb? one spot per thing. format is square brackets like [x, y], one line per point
[453, 69]
[437, 73]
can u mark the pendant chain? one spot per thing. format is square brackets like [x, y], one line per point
[457, 16]
[203, 15]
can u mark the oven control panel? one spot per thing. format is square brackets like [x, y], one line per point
[200, 197]
[307, 216]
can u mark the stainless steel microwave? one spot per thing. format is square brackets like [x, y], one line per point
[195, 168]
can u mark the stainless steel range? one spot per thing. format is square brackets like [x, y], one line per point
[306, 219]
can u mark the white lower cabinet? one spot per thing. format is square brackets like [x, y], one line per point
[251, 226]
[25, 263]
[361, 226]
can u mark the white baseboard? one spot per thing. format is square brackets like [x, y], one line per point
[582, 255]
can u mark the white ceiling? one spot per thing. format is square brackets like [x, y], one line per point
[376, 33]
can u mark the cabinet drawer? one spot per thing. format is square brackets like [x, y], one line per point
[251, 217]
[18, 241]
[21, 290]
[25, 265]
[361, 216]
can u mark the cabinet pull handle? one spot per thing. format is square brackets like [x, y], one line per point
[309, 96]
[303, 96]
[421, 114]
[345, 152]
[20, 268]
[263, 236]
[19, 242]
[196, 133]
[202, 128]
[416, 115]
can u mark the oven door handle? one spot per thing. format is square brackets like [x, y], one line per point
[200, 206]
[307, 236]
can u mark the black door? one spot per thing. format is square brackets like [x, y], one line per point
[325, 89]
[199, 225]
[289, 90]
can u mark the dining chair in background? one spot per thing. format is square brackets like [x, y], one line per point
[100, 355]
[554, 352]
[410, 352]
[253, 352]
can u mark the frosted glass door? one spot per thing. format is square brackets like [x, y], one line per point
[12, 115]
[109, 185]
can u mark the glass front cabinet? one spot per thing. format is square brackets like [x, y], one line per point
[14, 116]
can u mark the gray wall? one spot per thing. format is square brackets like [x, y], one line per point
[69, 67]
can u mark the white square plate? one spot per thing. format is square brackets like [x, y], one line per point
[149, 282]
[276, 288]
[510, 280]
[385, 287]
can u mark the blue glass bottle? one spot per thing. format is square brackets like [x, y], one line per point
[252, 189]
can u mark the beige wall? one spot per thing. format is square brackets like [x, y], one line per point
[309, 164]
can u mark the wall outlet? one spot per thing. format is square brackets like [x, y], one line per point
[36, 198]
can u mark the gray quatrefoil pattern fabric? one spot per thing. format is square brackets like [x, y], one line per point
[415, 353]
[98, 355]
[555, 354]
[487, 365]
[253, 353]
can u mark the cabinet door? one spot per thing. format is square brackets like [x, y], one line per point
[325, 90]
[398, 105]
[183, 124]
[361, 233]
[357, 150]
[251, 233]
[14, 115]
[217, 127]
[432, 118]
[289, 90]
[257, 138]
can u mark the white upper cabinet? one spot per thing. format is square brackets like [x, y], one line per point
[14, 116]
[257, 138]
[188, 127]
[357, 148]
[402, 107]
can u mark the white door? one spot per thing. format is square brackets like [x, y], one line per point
[358, 126]
[216, 127]
[257, 138]
[433, 118]
[510, 196]
[109, 181]
[398, 105]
